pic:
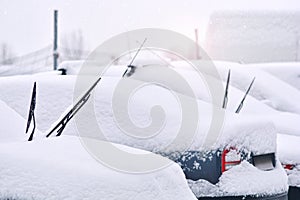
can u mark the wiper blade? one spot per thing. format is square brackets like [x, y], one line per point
[225, 100]
[130, 66]
[31, 113]
[60, 126]
[242, 102]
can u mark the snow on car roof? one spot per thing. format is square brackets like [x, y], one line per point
[274, 99]
[55, 95]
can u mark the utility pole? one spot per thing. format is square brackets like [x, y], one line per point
[197, 45]
[55, 53]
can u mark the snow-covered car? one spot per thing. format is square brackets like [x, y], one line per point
[276, 87]
[247, 140]
[61, 168]
[242, 164]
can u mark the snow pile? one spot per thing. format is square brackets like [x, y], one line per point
[244, 179]
[60, 168]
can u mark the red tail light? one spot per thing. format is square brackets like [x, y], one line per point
[230, 158]
[288, 166]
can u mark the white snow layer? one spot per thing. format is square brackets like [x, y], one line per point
[60, 168]
[244, 179]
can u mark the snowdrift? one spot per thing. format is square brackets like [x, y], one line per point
[60, 168]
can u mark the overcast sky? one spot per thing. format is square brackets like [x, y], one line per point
[27, 25]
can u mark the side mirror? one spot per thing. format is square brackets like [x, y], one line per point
[264, 162]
